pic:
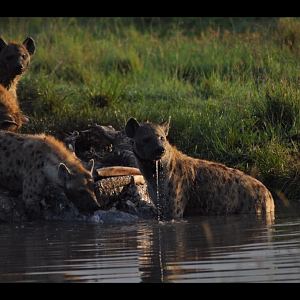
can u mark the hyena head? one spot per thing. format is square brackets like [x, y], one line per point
[79, 187]
[149, 139]
[15, 58]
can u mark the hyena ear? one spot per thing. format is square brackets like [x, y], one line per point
[2, 44]
[131, 126]
[90, 166]
[165, 125]
[29, 45]
[63, 174]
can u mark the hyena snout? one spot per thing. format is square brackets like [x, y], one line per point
[83, 199]
[15, 67]
[160, 150]
[18, 68]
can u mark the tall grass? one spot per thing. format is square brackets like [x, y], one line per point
[231, 85]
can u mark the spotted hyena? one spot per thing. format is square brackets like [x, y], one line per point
[189, 186]
[29, 162]
[14, 61]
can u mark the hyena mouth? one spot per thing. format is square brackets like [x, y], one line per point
[158, 157]
[18, 71]
[159, 153]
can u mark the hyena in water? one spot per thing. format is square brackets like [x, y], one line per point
[189, 186]
[29, 162]
[14, 61]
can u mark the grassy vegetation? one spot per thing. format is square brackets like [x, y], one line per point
[231, 85]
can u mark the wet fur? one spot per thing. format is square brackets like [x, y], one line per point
[189, 186]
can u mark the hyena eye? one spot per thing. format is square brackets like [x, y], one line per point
[162, 138]
[24, 56]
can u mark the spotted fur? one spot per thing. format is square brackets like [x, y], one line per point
[29, 162]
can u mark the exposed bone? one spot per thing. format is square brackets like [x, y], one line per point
[118, 171]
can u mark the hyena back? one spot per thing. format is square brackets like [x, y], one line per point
[29, 162]
[189, 186]
[14, 61]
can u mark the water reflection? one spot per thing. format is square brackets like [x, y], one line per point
[232, 248]
[186, 247]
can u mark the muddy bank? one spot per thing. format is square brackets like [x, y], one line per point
[121, 192]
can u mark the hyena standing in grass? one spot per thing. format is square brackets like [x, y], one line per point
[29, 162]
[14, 61]
[189, 186]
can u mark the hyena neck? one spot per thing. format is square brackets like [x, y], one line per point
[147, 168]
[10, 83]
[144, 163]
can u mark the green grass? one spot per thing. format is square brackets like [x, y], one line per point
[231, 85]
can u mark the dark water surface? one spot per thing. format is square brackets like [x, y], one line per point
[235, 248]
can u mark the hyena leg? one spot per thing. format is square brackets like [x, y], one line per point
[32, 195]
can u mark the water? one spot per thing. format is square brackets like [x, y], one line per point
[235, 248]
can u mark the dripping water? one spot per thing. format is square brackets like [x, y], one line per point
[158, 206]
[157, 191]
[161, 197]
